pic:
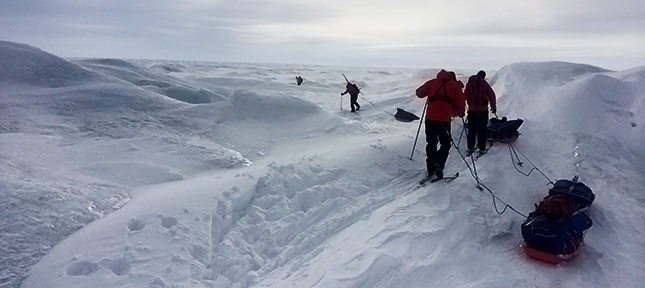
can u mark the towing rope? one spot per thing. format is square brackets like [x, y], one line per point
[513, 152]
[480, 184]
[375, 108]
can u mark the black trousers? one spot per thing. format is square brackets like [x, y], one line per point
[353, 102]
[437, 133]
[477, 129]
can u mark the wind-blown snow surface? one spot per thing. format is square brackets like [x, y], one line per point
[230, 175]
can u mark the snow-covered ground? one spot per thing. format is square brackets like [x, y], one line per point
[189, 174]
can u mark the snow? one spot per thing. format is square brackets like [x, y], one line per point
[145, 173]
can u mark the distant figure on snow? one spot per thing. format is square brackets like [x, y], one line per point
[479, 95]
[353, 91]
[445, 100]
[299, 80]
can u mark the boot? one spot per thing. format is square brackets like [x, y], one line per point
[431, 169]
[438, 171]
[470, 152]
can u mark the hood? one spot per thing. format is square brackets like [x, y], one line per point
[444, 75]
[475, 80]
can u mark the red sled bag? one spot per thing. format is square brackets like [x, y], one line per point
[555, 237]
[555, 230]
[546, 257]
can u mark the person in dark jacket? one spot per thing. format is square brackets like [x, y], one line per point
[445, 100]
[479, 95]
[353, 91]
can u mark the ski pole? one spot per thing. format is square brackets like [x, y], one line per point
[418, 130]
[341, 95]
[462, 130]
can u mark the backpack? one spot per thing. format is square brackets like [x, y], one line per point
[581, 193]
[558, 223]
[405, 116]
[556, 207]
[504, 130]
[353, 89]
[554, 237]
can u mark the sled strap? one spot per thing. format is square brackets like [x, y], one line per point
[574, 181]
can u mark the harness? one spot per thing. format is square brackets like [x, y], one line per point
[441, 97]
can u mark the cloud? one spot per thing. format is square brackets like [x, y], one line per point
[248, 30]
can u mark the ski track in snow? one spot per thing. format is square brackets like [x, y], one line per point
[236, 177]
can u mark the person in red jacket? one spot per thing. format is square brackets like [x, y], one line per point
[479, 95]
[445, 100]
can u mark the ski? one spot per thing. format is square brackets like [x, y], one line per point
[424, 180]
[446, 178]
[480, 154]
[433, 179]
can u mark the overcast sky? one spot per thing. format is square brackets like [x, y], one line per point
[403, 33]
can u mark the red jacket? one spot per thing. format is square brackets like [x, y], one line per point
[479, 94]
[445, 100]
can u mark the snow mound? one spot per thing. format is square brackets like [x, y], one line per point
[111, 62]
[158, 83]
[168, 67]
[547, 73]
[27, 65]
[564, 96]
[251, 105]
